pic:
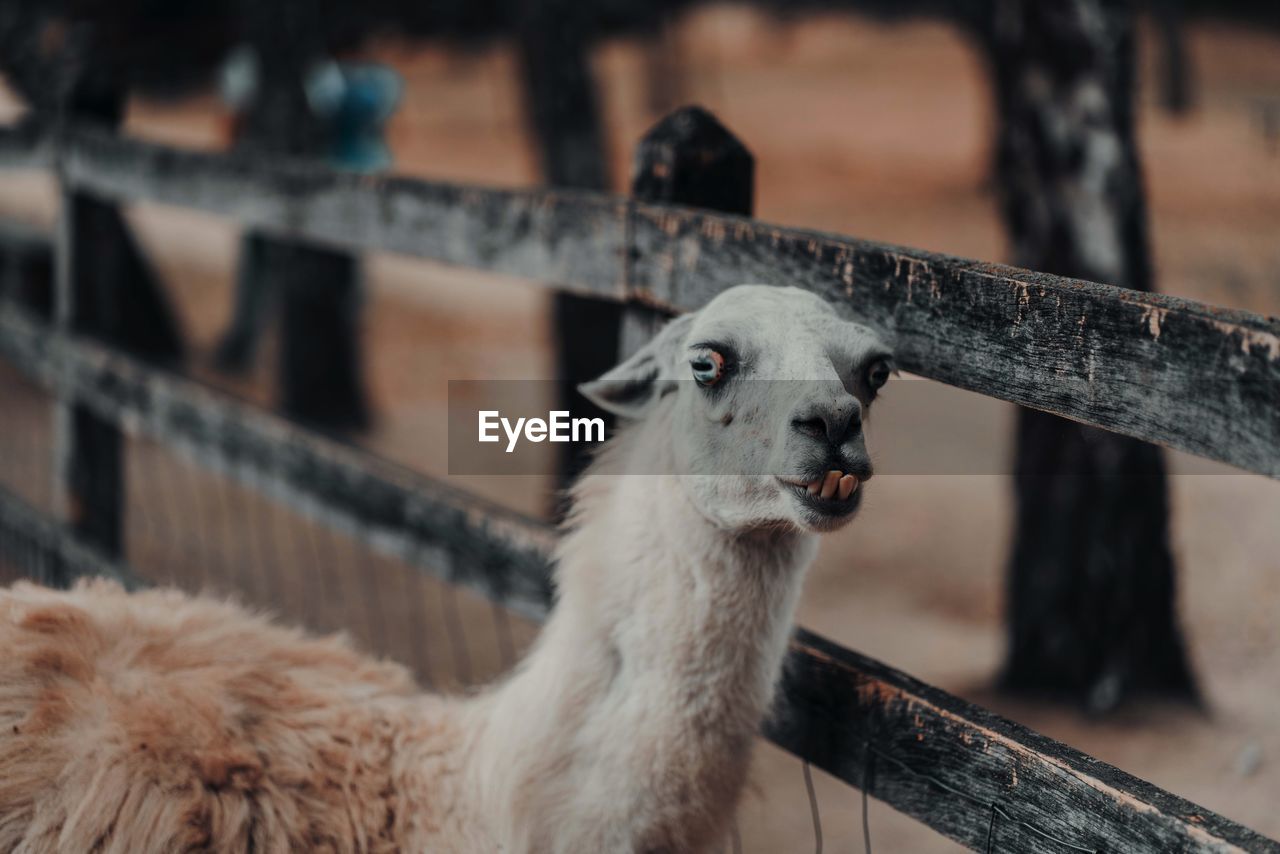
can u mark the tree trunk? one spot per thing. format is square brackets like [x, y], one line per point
[1091, 589]
[318, 289]
[106, 290]
[663, 74]
[561, 106]
[1175, 65]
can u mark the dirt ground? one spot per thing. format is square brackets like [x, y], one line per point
[861, 128]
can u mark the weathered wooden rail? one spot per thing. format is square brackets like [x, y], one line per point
[53, 554]
[1168, 370]
[1159, 368]
[428, 524]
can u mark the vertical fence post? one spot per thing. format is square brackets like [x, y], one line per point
[563, 113]
[688, 158]
[88, 470]
[103, 288]
[66, 503]
[317, 290]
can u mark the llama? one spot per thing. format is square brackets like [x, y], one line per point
[158, 721]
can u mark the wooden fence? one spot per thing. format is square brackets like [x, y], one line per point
[1168, 370]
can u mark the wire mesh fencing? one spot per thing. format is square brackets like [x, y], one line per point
[201, 531]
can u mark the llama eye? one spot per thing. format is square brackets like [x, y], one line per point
[708, 369]
[878, 373]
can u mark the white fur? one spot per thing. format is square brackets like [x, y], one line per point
[630, 726]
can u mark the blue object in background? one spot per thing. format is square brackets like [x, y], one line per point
[356, 101]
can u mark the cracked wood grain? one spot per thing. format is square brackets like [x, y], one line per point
[1173, 371]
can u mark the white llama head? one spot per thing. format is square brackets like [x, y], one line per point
[767, 389]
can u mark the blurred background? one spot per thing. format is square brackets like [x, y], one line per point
[869, 119]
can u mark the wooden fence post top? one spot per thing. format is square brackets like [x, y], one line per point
[690, 158]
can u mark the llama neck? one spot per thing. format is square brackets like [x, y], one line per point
[629, 727]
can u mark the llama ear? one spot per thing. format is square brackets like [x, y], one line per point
[629, 389]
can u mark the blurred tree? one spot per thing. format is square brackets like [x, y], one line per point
[663, 71]
[172, 47]
[1091, 590]
[66, 68]
[562, 108]
[50, 49]
[106, 289]
[560, 103]
[1175, 70]
[274, 78]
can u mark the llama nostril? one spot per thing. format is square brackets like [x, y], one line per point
[852, 427]
[836, 425]
[814, 427]
[855, 422]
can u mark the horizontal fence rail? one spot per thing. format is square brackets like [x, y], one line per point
[970, 774]
[53, 555]
[461, 538]
[27, 145]
[933, 756]
[1172, 371]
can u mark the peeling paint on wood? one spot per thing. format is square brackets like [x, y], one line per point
[1207, 383]
[559, 235]
[836, 706]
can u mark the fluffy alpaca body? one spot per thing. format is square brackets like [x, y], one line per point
[158, 722]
